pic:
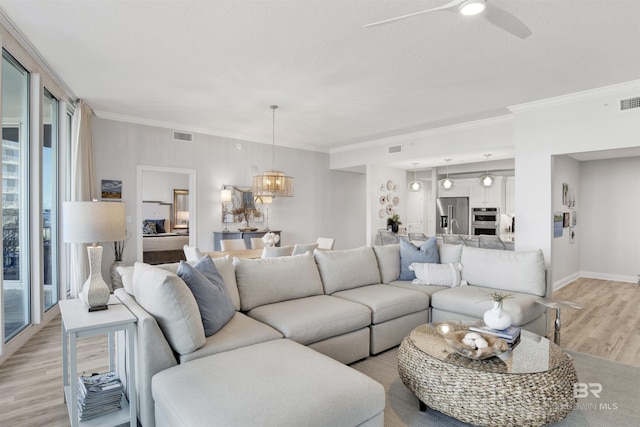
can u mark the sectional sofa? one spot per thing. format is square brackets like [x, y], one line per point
[299, 321]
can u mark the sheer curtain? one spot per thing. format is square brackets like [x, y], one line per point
[83, 187]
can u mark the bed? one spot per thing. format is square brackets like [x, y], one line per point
[161, 244]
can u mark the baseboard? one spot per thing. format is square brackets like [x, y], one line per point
[565, 281]
[612, 277]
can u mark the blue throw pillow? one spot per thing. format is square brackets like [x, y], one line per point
[409, 253]
[214, 303]
[159, 225]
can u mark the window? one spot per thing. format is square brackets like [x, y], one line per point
[15, 184]
[49, 212]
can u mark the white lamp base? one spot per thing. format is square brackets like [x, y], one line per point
[95, 292]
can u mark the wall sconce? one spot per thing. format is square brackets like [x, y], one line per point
[225, 197]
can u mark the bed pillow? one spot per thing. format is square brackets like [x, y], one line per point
[149, 227]
[208, 288]
[437, 274]
[159, 225]
[427, 252]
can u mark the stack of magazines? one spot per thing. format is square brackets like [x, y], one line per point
[511, 335]
[98, 394]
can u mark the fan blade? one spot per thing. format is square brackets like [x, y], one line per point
[503, 19]
[449, 5]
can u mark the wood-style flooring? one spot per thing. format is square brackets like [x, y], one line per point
[31, 380]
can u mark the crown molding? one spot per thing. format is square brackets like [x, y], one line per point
[411, 137]
[585, 95]
[107, 115]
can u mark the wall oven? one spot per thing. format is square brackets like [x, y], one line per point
[485, 221]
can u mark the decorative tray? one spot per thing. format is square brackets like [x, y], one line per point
[247, 229]
[468, 349]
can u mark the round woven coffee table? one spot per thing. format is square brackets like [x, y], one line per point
[531, 385]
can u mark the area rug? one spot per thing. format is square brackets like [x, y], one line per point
[617, 404]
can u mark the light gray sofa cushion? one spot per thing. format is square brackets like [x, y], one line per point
[269, 280]
[388, 257]
[272, 384]
[206, 284]
[386, 302]
[474, 301]
[312, 319]
[426, 289]
[347, 269]
[225, 268]
[167, 298]
[240, 331]
[450, 254]
[522, 271]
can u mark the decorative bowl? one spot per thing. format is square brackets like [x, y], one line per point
[495, 347]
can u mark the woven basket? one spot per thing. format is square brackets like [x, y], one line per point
[481, 397]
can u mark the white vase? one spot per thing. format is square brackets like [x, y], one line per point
[497, 318]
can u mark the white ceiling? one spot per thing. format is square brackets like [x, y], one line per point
[216, 66]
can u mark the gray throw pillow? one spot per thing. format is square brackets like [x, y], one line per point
[208, 288]
[426, 253]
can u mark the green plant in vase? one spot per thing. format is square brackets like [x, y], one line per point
[394, 222]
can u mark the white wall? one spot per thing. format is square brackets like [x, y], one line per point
[326, 203]
[566, 255]
[377, 179]
[609, 219]
[582, 122]
[159, 186]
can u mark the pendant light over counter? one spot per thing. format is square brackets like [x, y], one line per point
[487, 180]
[415, 185]
[446, 183]
[273, 183]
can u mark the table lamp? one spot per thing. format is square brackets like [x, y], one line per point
[94, 222]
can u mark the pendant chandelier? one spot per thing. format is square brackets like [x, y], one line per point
[487, 180]
[273, 183]
[446, 183]
[415, 185]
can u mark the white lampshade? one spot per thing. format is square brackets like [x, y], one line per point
[93, 222]
[225, 195]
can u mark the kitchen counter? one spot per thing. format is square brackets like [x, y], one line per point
[508, 239]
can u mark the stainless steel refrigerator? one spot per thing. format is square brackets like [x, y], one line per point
[452, 215]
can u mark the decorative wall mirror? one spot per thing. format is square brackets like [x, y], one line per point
[180, 208]
[242, 206]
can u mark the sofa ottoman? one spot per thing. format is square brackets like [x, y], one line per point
[275, 383]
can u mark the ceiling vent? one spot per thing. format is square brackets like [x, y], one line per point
[182, 136]
[395, 149]
[627, 104]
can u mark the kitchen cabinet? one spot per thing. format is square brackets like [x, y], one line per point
[487, 196]
[460, 189]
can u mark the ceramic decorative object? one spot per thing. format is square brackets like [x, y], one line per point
[116, 279]
[497, 318]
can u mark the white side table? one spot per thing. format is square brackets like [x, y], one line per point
[77, 322]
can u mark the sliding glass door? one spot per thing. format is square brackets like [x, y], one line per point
[49, 212]
[15, 208]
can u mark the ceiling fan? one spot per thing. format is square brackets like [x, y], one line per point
[497, 16]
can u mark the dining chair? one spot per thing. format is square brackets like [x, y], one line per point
[304, 248]
[232, 244]
[491, 242]
[276, 251]
[325, 243]
[257, 243]
[192, 253]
